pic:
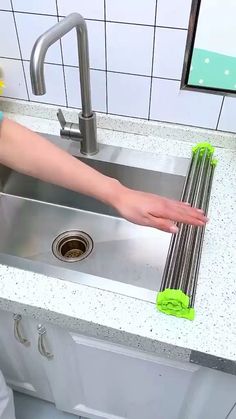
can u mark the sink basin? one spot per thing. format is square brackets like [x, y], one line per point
[123, 257]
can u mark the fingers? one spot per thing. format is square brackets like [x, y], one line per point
[189, 216]
[183, 213]
[162, 224]
[180, 204]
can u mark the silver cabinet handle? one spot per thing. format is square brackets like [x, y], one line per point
[17, 333]
[41, 342]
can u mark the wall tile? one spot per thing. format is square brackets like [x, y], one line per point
[129, 48]
[174, 14]
[54, 80]
[9, 44]
[171, 104]
[37, 25]
[13, 78]
[5, 5]
[96, 37]
[228, 115]
[134, 11]
[169, 53]
[129, 42]
[35, 6]
[128, 95]
[98, 88]
[90, 9]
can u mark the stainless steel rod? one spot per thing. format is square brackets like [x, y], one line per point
[191, 231]
[196, 271]
[175, 259]
[198, 235]
[184, 255]
[175, 239]
[183, 231]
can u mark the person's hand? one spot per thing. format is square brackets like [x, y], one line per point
[155, 211]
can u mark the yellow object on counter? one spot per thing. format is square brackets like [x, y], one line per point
[1, 86]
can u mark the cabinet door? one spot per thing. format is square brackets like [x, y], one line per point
[232, 413]
[106, 381]
[21, 364]
[212, 395]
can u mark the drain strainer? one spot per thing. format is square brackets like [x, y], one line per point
[72, 246]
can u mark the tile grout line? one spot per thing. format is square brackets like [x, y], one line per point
[218, 121]
[105, 40]
[152, 65]
[21, 58]
[62, 60]
[97, 20]
[97, 69]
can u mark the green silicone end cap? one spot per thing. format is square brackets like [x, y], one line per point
[214, 162]
[175, 303]
[203, 147]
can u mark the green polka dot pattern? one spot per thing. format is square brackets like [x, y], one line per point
[210, 69]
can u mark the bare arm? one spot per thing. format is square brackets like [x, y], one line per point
[31, 154]
[27, 152]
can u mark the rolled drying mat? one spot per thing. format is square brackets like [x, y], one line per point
[179, 281]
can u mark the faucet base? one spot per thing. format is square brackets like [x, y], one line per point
[88, 129]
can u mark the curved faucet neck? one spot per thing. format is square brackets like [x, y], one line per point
[74, 20]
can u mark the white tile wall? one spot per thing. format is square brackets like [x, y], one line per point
[89, 9]
[55, 91]
[136, 56]
[129, 48]
[8, 45]
[133, 11]
[98, 88]
[166, 64]
[128, 95]
[228, 115]
[174, 14]
[37, 24]
[15, 86]
[5, 5]
[96, 36]
[35, 6]
[184, 107]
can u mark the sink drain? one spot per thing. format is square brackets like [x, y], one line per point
[72, 246]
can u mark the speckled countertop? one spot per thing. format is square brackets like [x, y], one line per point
[125, 320]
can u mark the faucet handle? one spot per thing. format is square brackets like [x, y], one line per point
[68, 129]
[61, 118]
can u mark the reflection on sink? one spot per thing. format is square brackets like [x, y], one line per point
[126, 258]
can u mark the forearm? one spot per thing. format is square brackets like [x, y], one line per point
[31, 154]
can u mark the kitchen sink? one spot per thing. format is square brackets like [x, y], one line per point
[59, 233]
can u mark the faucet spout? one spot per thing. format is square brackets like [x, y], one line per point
[86, 130]
[74, 20]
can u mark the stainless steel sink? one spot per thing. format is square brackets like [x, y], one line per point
[123, 258]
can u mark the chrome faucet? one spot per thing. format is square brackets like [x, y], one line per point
[86, 130]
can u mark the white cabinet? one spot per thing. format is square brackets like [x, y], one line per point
[232, 413]
[21, 364]
[212, 395]
[108, 381]
[101, 380]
